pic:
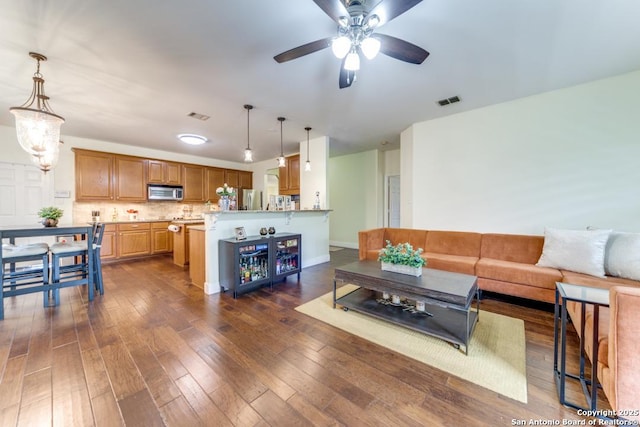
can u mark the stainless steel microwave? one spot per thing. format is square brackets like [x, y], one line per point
[164, 192]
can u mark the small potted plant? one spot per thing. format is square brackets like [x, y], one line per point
[402, 258]
[50, 215]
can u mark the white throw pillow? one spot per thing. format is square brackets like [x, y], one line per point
[581, 251]
[622, 256]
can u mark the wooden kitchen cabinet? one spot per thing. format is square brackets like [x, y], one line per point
[232, 178]
[109, 242]
[94, 175]
[197, 261]
[215, 178]
[245, 179]
[134, 239]
[289, 176]
[161, 238]
[131, 182]
[163, 172]
[194, 183]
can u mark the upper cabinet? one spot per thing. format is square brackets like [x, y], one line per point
[94, 175]
[163, 172]
[194, 182]
[214, 179]
[114, 177]
[245, 179]
[131, 183]
[289, 176]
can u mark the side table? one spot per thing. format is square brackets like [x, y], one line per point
[583, 295]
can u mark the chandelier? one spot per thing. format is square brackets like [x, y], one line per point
[37, 126]
[354, 36]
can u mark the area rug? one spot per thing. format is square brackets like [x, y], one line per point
[496, 359]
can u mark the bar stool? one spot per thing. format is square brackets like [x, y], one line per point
[77, 273]
[20, 280]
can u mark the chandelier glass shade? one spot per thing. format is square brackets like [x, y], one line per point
[37, 126]
[281, 160]
[248, 154]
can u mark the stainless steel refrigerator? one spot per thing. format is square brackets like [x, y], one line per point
[251, 200]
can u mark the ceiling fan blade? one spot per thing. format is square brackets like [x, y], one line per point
[303, 50]
[334, 8]
[400, 49]
[346, 77]
[389, 9]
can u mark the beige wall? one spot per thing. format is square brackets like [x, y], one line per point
[567, 158]
[355, 187]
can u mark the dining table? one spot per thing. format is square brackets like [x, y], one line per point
[9, 234]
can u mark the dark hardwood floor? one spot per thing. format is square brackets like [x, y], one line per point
[154, 350]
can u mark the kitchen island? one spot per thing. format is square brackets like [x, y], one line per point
[313, 225]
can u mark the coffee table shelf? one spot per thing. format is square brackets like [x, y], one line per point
[448, 299]
[447, 324]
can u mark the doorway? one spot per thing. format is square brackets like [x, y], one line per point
[393, 201]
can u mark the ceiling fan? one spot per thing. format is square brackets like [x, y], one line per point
[356, 24]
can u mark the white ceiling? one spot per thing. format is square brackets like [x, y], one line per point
[129, 71]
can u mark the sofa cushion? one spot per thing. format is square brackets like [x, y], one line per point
[518, 272]
[453, 243]
[453, 263]
[415, 238]
[595, 282]
[581, 251]
[512, 247]
[622, 255]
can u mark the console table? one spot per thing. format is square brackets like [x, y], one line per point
[583, 295]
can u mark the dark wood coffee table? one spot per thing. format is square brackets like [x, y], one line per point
[447, 296]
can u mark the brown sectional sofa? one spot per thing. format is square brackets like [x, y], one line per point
[506, 264]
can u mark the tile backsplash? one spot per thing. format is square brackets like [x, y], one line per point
[146, 211]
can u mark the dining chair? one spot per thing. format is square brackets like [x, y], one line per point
[77, 272]
[19, 278]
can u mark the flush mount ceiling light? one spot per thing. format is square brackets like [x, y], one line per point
[192, 139]
[357, 20]
[37, 126]
[307, 166]
[248, 155]
[281, 160]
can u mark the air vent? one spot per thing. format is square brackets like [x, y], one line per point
[448, 101]
[198, 116]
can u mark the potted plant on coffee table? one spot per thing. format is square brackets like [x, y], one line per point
[50, 215]
[402, 258]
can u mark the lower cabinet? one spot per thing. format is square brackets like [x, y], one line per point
[135, 239]
[161, 238]
[249, 264]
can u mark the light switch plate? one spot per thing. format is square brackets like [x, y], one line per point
[62, 194]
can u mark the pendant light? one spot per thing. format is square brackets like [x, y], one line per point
[281, 160]
[248, 155]
[37, 126]
[307, 166]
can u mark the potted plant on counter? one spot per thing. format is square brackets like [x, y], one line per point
[50, 215]
[402, 258]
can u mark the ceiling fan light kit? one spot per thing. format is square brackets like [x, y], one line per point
[357, 20]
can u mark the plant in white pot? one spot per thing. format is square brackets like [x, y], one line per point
[402, 258]
[50, 215]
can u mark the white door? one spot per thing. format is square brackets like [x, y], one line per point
[24, 189]
[393, 208]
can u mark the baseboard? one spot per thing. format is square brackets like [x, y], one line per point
[308, 262]
[348, 245]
